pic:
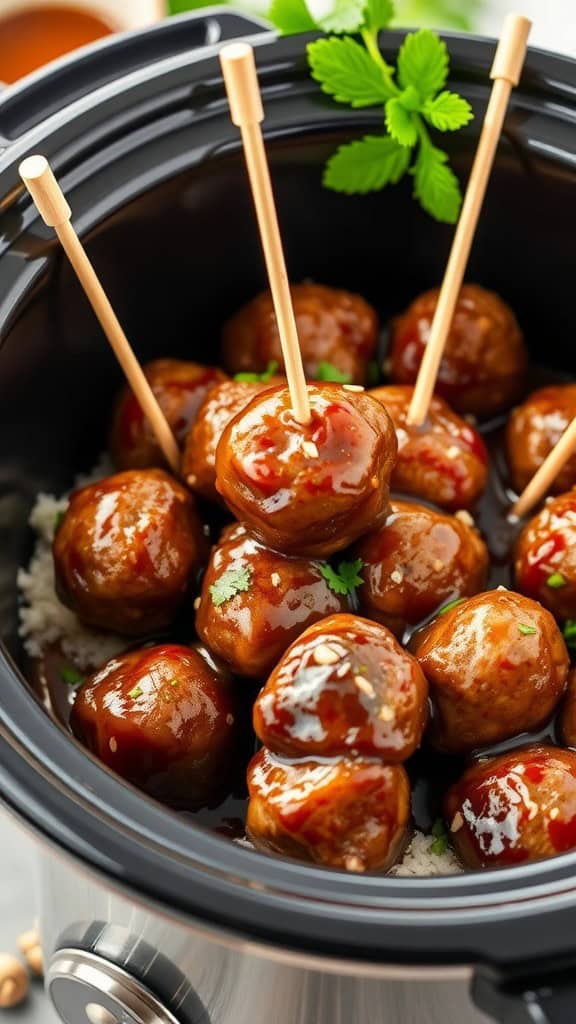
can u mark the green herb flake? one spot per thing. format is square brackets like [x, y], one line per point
[71, 676]
[440, 843]
[58, 520]
[328, 372]
[569, 632]
[556, 580]
[345, 579]
[174, 682]
[451, 604]
[526, 630]
[259, 378]
[230, 583]
[136, 692]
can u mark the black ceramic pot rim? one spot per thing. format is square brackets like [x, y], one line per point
[73, 802]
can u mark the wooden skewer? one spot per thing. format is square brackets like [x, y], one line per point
[506, 70]
[239, 71]
[49, 199]
[546, 474]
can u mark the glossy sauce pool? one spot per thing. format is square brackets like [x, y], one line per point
[36, 35]
[430, 773]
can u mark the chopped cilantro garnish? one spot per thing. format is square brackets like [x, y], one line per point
[346, 578]
[556, 580]
[451, 604]
[440, 844]
[230, 583]
[71, 676]
[526, 630]
[329, 372]
[259, 378]
[570, 633]
[136, 692]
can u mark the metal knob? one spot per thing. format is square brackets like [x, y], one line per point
[86, 989]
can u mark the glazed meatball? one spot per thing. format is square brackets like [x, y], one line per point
[545, 556]
[308, 490]
[484, 364]
[162, 718]
[222, 403]
[416, 562]
[334, 327]
[345, 687]
[514, 808]
[497, 666]
[349, 814]
[443, 461]
[127, 550]
[568, 712]
[180, 388]
[534, 429]
[251, 628]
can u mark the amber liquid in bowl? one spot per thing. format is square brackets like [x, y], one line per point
[36, 35]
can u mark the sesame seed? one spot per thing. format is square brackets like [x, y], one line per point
[453, 451]
[365, 686]
[113, 744]
[353, 387]
[464, 517]
[191, 480]
[310, 449]
[437, 564]
[354, 864]
[325, 655]
[275, 578]
[197, 603]
[501, 587]
[554, 813]
[396, 576]
[457, 822]
[386, 713]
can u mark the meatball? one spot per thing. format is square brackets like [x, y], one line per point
[308, 490]
[180, 388]
[534, 429]
[444, 461]
[568, 713]
[127, 550]
[497, 666]
[484, 363]
[345, 687]
[518, 807]
[279, 597]
[222, 403]
[416, 562]
[334, 327]
[349, 814]
[545, 556]
[162, 718]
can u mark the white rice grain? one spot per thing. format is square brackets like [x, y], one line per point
[420, 860]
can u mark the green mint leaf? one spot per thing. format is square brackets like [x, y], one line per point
[329, 372]
[258, 378]
[71, 676]
[230, 583]
[451, 604]
[401, 123]
[378, 14]
[447, 112]
[366, 165]
[346, 71]
[569, 632]
[344, 16]
[435, 185]
[556, 580]
[423, 62]
[291, 17]
[526, 630]
[346, 579]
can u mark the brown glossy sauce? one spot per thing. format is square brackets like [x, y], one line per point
[430, 772]
[37, 35]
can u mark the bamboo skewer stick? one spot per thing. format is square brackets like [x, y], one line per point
[546, 474]
[52, 206]
[239, 71]
[506, 70]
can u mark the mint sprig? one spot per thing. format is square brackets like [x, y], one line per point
[412, 96]
[345, 580]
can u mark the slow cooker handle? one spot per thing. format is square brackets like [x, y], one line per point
[535, 998]
[25, 105]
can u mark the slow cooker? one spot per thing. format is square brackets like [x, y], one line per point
[145, 917]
